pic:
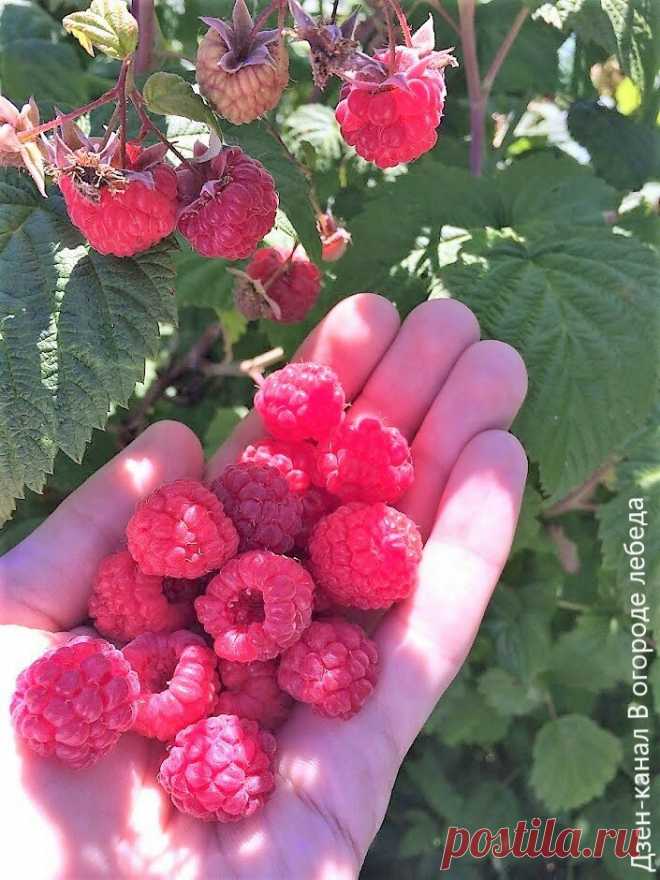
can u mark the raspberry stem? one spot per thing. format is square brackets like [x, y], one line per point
[121, 87]
[143, 12]
[33, 133]
[403, 21]
[138, 102]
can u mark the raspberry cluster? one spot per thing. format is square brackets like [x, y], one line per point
[227, 605]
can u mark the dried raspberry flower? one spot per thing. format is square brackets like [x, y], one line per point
[332, 46]
[257, 606]
[241, 70]
[334, 238]
[17, 152]
[178, 682]
[75, 701]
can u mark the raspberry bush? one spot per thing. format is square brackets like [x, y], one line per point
[199, 219]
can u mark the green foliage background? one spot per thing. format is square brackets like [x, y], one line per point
[554, 248]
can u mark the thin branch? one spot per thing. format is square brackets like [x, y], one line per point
[503, 51]
[248, 367]
[33, 133]
[442, 12]
[579, 498]
[477, 101]
[138, 102]
[143, 11]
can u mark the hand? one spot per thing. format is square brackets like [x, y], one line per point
[454, 397]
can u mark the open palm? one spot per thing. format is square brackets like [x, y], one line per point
[454, 397]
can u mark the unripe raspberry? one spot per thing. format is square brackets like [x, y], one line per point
[74, 702]
[302, 401]
[242, 73]
[334, 239]
[229, 202]
[391, 109]
[278, 285]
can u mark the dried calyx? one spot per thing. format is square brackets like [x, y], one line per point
[246, 45]
[332, 46]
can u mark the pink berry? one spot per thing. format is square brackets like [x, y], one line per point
[302, 401]
[250, 690]
[74, 702]
[334, 667]
[257, 606]
[365, 555]
[178, 681]
[295, 461]
[365, 461]
[220, 769]
[181, 531]
[278, 285]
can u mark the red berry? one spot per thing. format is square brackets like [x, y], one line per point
[178, 681]
[220, 769]
[365, 461]
[295, 461]
[125, 602]
[365, 555]
[181, 531]
[302, 401]
[230, 204]
[257, 606]
[129, 214]
[74, 702]
[316, 504]
[334, 239]
[266, 513]
[250, 690]
[278, 286]
[334, 667]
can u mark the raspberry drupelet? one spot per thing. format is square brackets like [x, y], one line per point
[178, 682]
[278, 285]
[250, 690]
[181, 531]
[296, 462]
[74, 702]
[257, 606]
[220, 769]
[365, 555]
[334, 667]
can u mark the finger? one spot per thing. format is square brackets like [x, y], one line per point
[484, 390]
[45, 580]
[417, 364]
[351, 339]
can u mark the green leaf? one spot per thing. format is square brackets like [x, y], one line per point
[625, 153]
[427, 776]
[75, 328]
[580, 305]
[203, 283]
[57, 78]
[528, 531]
[107, 25]
[14, 532]
[463, 717]
[574, 759]
[421, 836]
[507, 695]
[586, 18]
[636, 25]
[490, 806]
[595, 655]
[637, 476]
[292, 184]
[315, 126]
[20, 19]
[522, 639]
[169, 94]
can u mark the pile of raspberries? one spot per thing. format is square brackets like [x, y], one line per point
[231, 601]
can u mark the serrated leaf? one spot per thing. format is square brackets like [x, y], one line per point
[463, 717]
[625, 153]
[169, 94]
[490, 806]
[75, 328]
[427, 776]
[636, 24]
[594, 656]
[56, 79]
[20, 19]
[506, 694]
[574, 759]
[314, 125]
[203, 283]
[581, 306]
[106, 25]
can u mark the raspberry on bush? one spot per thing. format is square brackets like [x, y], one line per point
[302, 401]
[74, 702]
[365, 555]
[257, 606]
[125, 602]
[277, 285]
[365, 461]
[178, 682]
[181, 531]
[250, 690]
[334, 667]
[264, 510]
[220, 769]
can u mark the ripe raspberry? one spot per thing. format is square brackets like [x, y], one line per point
[126, 603]
[230, 204]
[220, 769]
[251, 691]
[257, 606]
[295, 461]
[334, 667]
[75, 701]
[241, 72]
[334, 239]
[302, 401]
[178, 681]
[390, 112]
[365, 461]
[125, 211]
[317, 503]
[263, 508]
[278, 285]
[181, 531]
[365, 555]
